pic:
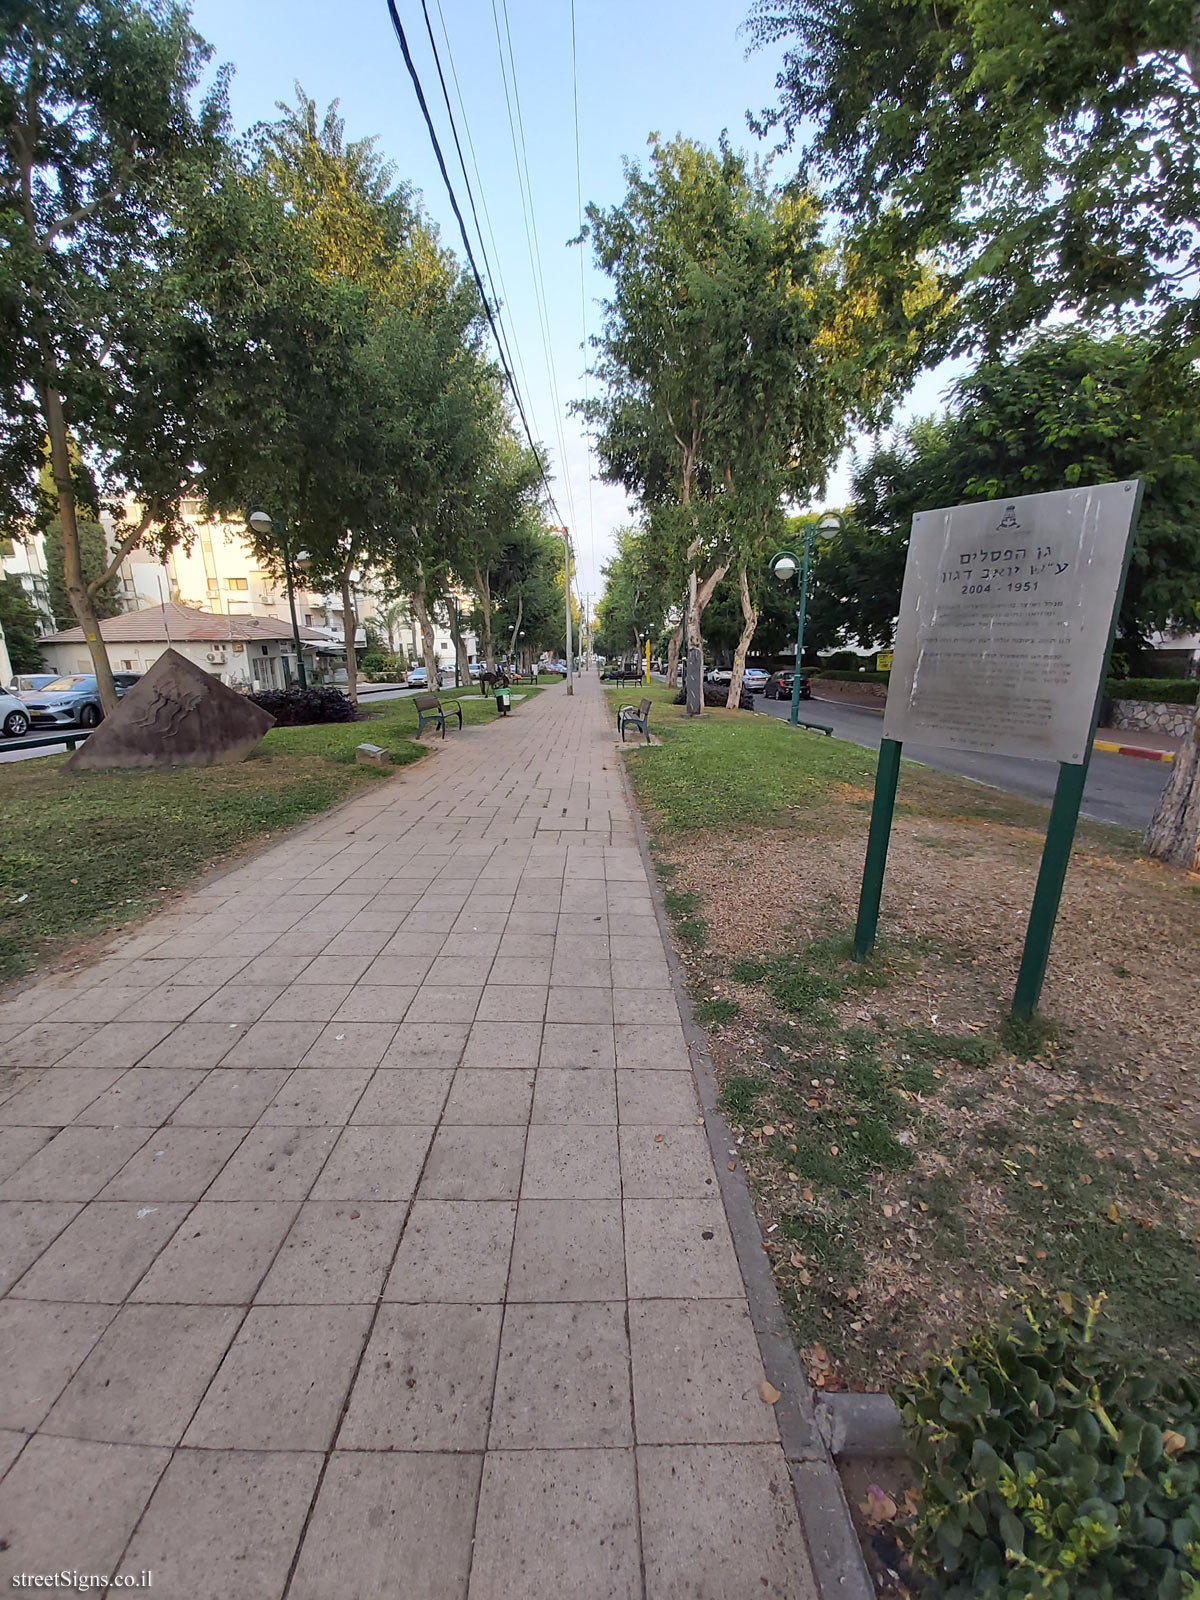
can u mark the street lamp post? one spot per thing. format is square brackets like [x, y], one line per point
[785, 565]
[262, 524]
[566, 535]
[457, 636]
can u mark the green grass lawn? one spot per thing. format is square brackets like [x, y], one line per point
[86, 852]
[735, 770]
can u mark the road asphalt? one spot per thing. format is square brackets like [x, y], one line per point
[1120, 789]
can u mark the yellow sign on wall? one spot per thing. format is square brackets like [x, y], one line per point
[883, 661]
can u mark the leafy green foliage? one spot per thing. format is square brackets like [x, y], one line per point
[1045, 154]
[1175, 691]
[711, 1013]
[93, 555]
[19, 621]
[1048, 1472]
[1068, 408]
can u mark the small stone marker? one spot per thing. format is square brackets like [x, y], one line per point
[372, 755]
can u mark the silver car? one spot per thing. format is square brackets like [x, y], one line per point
[72, 702]
[14, 716]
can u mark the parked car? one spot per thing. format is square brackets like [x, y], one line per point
[476, 668]
[14, 716]
[72, 701]
[779, 686]
[719, 675]
[755, 679]
[418, 678]
[24, 682]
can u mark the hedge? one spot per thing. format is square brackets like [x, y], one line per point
[839, 676]
[1177, 691]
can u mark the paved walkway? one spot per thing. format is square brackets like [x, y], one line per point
[359, 1233]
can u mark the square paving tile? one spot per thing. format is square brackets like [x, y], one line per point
[234, 1515]
[58, 1096]
[425, 1382]
[101, 1254]
[169, 1002]
[444, 1003]
[375, 1002]
[44, 1044]
[238, 1002]
[565, 1094]
[26, 1228]
[317, 1096]
[427, 1044]
[654, 1005]
[41, 1346]
[574, 1161]
[512, 1002]
[577, 1003]
[336, 1254]
[234, 1097]
[282, 1384]
[374, 1164]
[398, 1098]
[402, 968]
[484, 1098]
[18, 1144]
[561, 1523]
[659, 1097]
[664, 1162]
[474, 1164]
[454, 1251]
[273, 1044]
[568, 1250]
[196, 1045]
[143, 1097]
[174, 1164]
[146, 1375]
[274, 1164]
[100, 1003]
[220, 1255]
[721, 1520]
[679, 1249]
[351, 1044]
[277, 969]
[652, 1045]
[696, 1371]
[70, 1505]
[75, 1165]
[512, 966]
[334, 969]
[308, 1002]
[494, 1045]
[577, 1044]
[382, 1515]
[563, 1378]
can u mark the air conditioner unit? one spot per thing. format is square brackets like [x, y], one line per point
[217, 657]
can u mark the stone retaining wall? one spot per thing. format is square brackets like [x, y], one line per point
[1155, 716]
[858, 694]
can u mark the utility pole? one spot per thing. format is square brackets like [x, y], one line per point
[566, 534]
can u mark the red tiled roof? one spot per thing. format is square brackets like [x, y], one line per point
[176, 624]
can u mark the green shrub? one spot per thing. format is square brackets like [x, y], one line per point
[1048, 1473]
[1176, 691]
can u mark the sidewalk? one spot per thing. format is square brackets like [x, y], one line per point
[359, 1232]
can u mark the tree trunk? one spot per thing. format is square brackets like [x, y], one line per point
[699, 594]
[483, 588]
[460, 649]
[673, 644]
[750, 622]
[428, 644]
[1174, 832]
[349, 629]
[76, 584]
[512, 643]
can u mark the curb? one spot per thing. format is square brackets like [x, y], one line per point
[833, 1549]
[1133, 750]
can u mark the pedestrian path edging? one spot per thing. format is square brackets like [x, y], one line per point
[834, 1551]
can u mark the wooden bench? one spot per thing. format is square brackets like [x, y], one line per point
[635, 717]
[430, 709]
[622, 675]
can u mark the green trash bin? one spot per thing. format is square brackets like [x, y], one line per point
[503, 701]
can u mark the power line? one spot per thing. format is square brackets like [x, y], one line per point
[587, 438]
[462, 228]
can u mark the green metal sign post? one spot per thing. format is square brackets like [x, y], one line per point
[1060, 831]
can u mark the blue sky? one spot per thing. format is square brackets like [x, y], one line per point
[643, 65]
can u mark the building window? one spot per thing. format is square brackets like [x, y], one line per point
[239, 584]
[127, 666]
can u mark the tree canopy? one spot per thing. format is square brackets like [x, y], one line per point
[1045, 154]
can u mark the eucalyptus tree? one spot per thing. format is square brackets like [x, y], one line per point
[739, 347]
[109, 146]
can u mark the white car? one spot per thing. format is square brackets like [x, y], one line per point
[755, 679]
[14, 716]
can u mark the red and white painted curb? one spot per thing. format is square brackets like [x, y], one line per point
[1133, 750]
